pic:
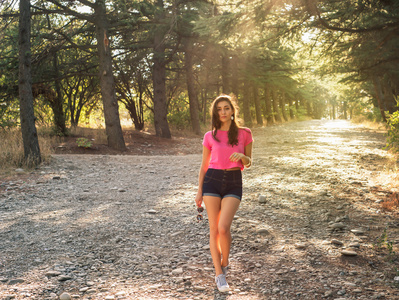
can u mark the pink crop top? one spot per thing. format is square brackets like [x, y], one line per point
[221, 151]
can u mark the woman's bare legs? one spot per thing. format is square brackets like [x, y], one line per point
[220, 216]
[213, 206]
[228, 210]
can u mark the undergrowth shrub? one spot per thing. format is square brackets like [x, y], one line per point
[393, 130]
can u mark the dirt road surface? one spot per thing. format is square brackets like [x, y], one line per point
[313, 223]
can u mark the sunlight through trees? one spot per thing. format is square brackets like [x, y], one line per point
[165, 61]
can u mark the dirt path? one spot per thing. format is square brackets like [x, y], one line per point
[123, 227]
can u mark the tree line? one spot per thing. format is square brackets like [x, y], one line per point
[166, 60]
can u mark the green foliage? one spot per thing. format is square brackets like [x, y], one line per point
[384, 242]
[393, 130]
[84, 143]
[179, 113]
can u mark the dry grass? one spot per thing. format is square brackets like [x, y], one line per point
[12, 149]
[98, 135]
[392, 203]
[364, 122]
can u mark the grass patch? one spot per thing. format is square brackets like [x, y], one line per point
[12, 149]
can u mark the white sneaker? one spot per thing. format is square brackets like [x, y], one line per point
[225, 269]
[221, 283]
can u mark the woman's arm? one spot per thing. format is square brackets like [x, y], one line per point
[206, 156]
[247, 159]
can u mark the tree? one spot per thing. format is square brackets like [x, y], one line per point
[28, 128]
[100, 19]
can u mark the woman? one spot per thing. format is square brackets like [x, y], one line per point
[227, 148]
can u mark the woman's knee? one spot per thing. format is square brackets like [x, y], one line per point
[224, 229]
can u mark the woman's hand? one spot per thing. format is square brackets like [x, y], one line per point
[236, 156]
[198, 199]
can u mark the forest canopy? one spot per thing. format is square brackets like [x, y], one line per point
[161, 62]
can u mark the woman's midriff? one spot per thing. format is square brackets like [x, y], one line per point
[232, 169]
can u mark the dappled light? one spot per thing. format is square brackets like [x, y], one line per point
[103, 109]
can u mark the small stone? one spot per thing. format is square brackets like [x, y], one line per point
[247, 280]
[348, 252]
[19, 170]
[357, 231]
[354, 245]
[328, 294]
[276, 290]
[338, 225]
[109, 297]
[64, 278]
[9, 297]
[155, 286]
[52, 273]
[336, 242]
[396, 279]
[16, 281]
[341, 292]
[262, 199]
[177, 271]
[262, 231]
[199, 288]
[65, 296]
[300, 245]
[152, 211]
[120, 294]
[56, 177]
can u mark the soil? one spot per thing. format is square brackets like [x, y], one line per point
[137, 143]
[318, 220]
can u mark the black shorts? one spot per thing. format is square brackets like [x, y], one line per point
[222, 183]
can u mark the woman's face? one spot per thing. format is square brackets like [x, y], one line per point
[225, 111]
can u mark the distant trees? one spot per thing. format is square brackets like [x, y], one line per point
[166, 60]
[362, 38]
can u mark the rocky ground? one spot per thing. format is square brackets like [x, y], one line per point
[316, 222]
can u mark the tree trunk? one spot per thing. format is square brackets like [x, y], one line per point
[345, 109]
[275, 107]
[333, 111]
[28, 128]
[247, 104]
[282, 106]
[57, 106]
[379, 96]
[158, 77]
[192, 94]
[235, 80]
[390, 103]
[225, 73]
[111, 113]
[268, 106]
[291, 109]
[258, 109]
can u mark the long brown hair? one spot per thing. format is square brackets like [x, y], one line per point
[216, 123]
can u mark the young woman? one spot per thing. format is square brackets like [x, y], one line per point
[227, 148]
